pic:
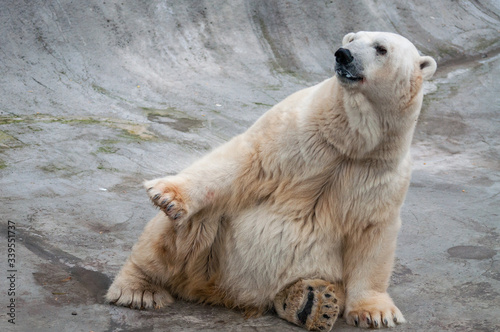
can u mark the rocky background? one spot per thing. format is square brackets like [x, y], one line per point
[96, 96]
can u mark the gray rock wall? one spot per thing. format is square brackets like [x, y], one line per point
[96, 96]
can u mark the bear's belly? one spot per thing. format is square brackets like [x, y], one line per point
[264, 251]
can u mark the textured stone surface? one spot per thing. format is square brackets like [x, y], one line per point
[98, 95]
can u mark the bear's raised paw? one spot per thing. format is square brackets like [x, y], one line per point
[167, 195]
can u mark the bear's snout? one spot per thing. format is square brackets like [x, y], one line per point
[343, 56]
[347, 68]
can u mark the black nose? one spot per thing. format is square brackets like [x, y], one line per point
[343, 56]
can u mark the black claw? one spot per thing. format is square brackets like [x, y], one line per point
[150, 188]
[170, 207]
[395, 319]
[163, 202]
[386, 322]
[368, 321]
[177, 216]
[155, 197]
[375, 323]
[356, 323]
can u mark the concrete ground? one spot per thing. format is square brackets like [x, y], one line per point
[98, 95]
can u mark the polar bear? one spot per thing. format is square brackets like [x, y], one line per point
[301, 212]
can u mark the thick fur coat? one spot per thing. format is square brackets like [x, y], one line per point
[312, 190]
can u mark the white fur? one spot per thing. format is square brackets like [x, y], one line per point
[312, 190]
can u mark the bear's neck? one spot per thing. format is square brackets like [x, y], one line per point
[361, 128]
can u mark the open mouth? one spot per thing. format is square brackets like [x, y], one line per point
[346, 75]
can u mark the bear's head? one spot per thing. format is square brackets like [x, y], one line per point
[382, 65]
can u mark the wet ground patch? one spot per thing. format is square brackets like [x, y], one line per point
[173, 118]
[64, 276]
[471, 252]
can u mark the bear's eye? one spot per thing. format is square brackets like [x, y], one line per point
[381, 50]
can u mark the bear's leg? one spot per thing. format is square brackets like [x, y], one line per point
[313, 304]
[210, 182]
[140, 284]
[368, 260]
[132, 288]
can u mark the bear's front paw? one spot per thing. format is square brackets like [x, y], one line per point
[167, 195]
[375, 311]
[132, 294]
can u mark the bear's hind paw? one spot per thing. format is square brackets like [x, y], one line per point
[312, 304]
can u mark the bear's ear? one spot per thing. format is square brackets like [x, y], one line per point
[427, 66]
[348, 38]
